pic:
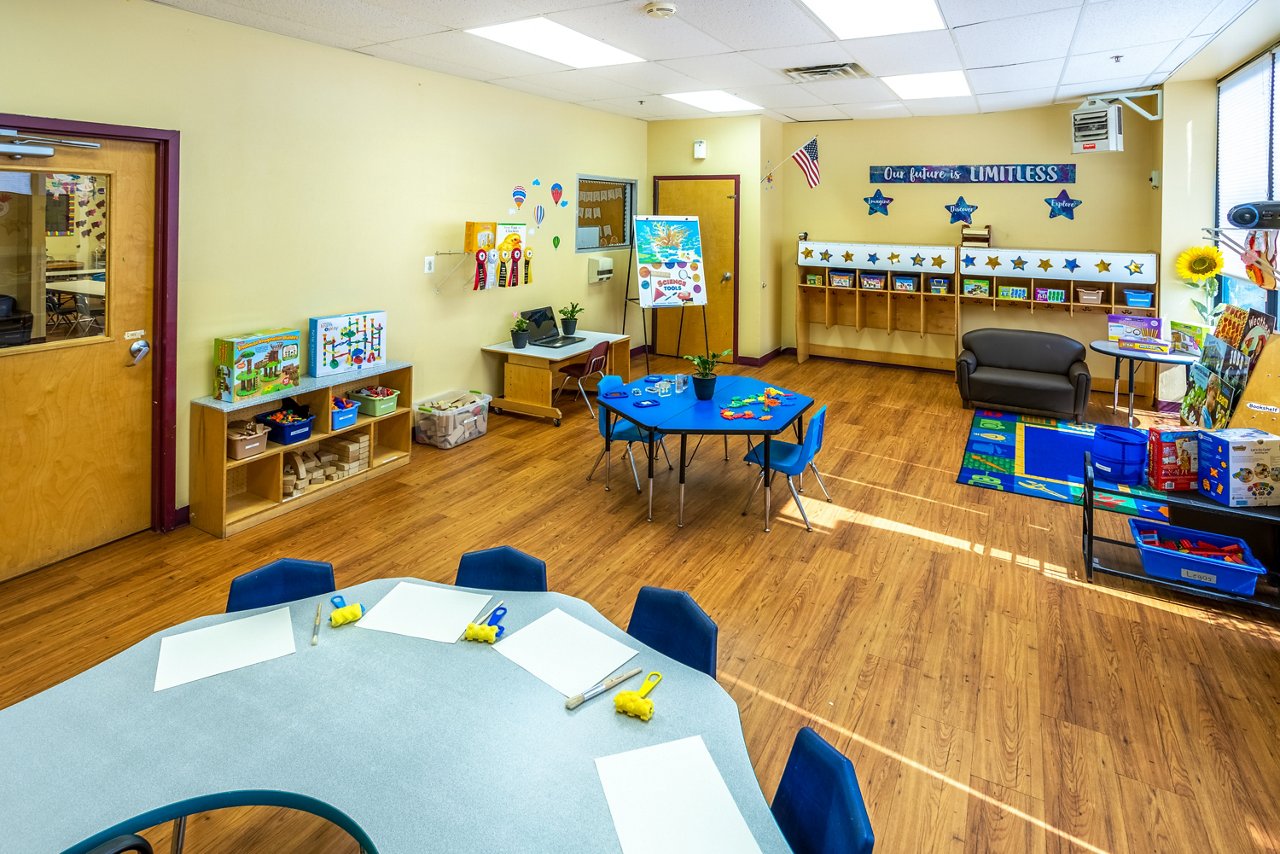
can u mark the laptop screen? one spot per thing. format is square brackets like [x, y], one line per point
[542, 323]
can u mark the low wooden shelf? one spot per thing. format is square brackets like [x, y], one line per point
[228, 496]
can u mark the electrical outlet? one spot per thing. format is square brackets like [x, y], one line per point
[429, 264]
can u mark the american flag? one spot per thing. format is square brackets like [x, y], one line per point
[806, 157]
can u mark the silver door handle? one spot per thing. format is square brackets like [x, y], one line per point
[138, 350]
[726, 277]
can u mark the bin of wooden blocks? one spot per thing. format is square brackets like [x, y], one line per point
[331, 461]
[452, 418]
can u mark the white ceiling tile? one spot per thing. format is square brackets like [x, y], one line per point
[649, 76]
[466, 49]
[582, 84]
[909, 53]
[878, 110]
[799, 56]
[233, 14]
[1011, 78]
[1016, 100]
[777, 117]
[942, 106]
[849, 91]
[1099, 87]
[356, 18]
[957, 13]
[624, 26]
[814, 114]
[1028, 38]
[653, 109]
[779, 97]
[478, 13]
[1226, 12]
[522, 84]
[1115, 24]
[1180, 54]
[726, 70]
[1134, 62]
[407, 57]
[755, 24]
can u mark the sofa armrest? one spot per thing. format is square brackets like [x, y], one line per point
[1080, 379]
[966, 364]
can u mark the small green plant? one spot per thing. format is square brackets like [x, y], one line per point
[520, 324]
[571, 310]
[704, 367]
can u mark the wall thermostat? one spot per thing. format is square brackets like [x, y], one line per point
[699, 149]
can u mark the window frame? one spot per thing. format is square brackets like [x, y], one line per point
[628, 212]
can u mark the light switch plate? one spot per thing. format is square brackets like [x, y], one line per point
[429, 264]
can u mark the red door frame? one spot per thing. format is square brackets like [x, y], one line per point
[737, 230]
[164, 341]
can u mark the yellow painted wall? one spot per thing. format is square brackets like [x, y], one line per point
[1190, 141]
[1120, 210]
[315, 180]
[773, 284]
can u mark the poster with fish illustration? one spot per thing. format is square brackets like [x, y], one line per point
[669, 261]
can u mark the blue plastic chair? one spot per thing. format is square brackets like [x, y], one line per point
[673, 624]
[502, 568]
[284, 580]
[623, 431]
[792, 459]
[818, 805]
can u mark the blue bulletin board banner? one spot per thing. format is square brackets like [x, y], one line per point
[998, 173]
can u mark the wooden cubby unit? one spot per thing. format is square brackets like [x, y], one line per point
[228, 496]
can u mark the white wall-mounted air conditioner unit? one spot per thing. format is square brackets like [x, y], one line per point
[1096, 127]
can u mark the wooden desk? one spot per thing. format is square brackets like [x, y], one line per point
[529, 375]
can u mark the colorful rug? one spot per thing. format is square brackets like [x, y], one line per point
[1044, 458]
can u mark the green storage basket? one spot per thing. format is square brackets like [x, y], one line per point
[375, 406]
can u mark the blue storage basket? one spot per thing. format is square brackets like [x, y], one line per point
[1120, 454]
[1138, 299]
[287, 434]
[345, 417]
[1241, 579]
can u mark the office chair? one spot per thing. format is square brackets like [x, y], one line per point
[581, 370]
[284, 580]
[623, 431]
[792, 459]
[123, 844]
[502, 568]
[673, 624]
[818, 805]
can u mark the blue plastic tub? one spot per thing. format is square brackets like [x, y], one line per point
[345, 417]
[288, 434]
[1138, 299]
[1120, 454]
[1241, 579]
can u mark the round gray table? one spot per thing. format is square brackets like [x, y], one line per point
[1112, 349]
[410, 745]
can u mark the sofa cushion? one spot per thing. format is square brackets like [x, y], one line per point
[1024, 349]
[1024, 389]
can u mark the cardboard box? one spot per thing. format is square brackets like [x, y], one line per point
[1173, 455]
[346, 342]
[256, 363]
[1145, 334]
[479, 235]
[1240, 467]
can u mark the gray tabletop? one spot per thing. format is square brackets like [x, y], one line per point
[1111, 348]
[412, 746]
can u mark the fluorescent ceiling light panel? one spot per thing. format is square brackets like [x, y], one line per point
[713, 101]
[550, 40]
[860, 19]
[935, 84]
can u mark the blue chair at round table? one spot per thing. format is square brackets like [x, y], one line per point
[818, 805]
[502, 568]
[623, 431]
[792, 459]
[671, 622]
[280, 581]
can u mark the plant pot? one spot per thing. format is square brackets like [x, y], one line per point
[569, 325]
[704, 387]
[519, 340]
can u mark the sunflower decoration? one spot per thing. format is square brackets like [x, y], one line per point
[1199, 263]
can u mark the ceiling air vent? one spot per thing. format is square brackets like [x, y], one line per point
[843, 71]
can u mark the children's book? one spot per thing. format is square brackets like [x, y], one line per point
[1187, 337]
[1231, 325]
[1257, 328]
[1235, 368]
[1208, 402]
[1214, 354]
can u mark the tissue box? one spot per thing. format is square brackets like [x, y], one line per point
[1173, 455]
[256, 363]
[1240, 467]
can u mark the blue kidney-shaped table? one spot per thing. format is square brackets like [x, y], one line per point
[684, 415]
[411, 746]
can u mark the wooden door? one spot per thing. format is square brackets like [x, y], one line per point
[714, 201]
[75, 413]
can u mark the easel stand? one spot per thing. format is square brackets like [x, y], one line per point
[627, 298]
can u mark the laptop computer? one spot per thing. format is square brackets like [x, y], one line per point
[544, 331]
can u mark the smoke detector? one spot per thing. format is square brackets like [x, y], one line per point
[843, 71]
[660, 10]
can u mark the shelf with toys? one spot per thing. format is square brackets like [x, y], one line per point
[313, 451]
[1071, 281]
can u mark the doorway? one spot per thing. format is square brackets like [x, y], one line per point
[714, 200]
[88, 268]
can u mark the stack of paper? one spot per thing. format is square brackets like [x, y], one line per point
[432, 613]
[567, 654]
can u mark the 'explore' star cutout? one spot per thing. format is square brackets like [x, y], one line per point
[1063, 205]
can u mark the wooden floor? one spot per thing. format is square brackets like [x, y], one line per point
[937, 634]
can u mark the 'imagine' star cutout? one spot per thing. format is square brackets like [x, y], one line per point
[847, 256]
[878, 203]
[893, 257]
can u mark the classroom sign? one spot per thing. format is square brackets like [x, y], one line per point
[994, 173]
[669, 261]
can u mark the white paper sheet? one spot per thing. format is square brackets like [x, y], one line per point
[671, 799]
[227, 646]
[432, 613]
[566, 653]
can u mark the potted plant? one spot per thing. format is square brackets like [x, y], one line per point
[520, 331]
[704, 373]
[570, 314]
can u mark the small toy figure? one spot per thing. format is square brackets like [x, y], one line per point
[635, 703]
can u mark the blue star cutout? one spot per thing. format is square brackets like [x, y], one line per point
[873, 258]
[878, 203]
[1133, 267]
[961, 211]
[1063, 205]
[917, 260]
[969, 260]
[1071, 264]
[1019, 263]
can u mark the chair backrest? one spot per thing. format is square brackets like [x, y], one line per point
[608, 382]
[122, 845]
[673, 624]
[597, 358]
[813, 435]
[1024, 349]
[502, 568]
[284, 580]
[818, 805]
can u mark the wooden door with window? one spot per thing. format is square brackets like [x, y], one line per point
[714, 200]
[77, 267]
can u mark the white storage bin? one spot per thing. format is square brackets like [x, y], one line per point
[451, 418]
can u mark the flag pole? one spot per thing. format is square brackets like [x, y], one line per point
[788, 157]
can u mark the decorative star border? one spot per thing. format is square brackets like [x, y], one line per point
[1083, 266]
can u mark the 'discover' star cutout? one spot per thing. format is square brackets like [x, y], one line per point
[961, 211]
